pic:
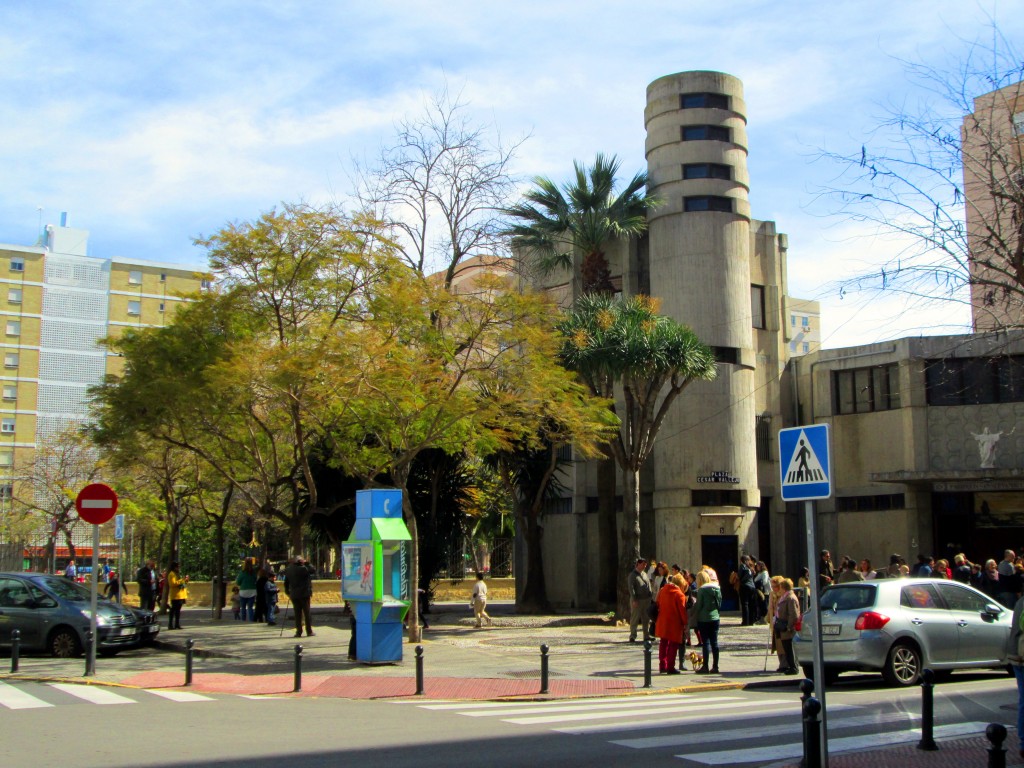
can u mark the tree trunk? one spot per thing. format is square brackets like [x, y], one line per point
[218, 592]
[630, 545]
[534, 599]
[295, 531]
[607, 537]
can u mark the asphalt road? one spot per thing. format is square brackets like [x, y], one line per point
[43, 724]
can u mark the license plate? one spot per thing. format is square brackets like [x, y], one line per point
[125, 631]
[831, 629]
[151, 629]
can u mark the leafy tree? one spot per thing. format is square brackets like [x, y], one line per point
[473, 373]
[583, 215]
[943, 175]
[622, 346]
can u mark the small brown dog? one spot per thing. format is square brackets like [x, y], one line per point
[695, 659]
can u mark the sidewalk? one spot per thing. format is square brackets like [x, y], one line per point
[952, 753]
[588, 656]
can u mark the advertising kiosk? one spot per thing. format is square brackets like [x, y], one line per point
[375, 574]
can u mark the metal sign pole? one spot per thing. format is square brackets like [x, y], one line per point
[91, 666]
[815, 608]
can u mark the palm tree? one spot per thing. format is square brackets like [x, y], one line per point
[622, 346]
[583, 215]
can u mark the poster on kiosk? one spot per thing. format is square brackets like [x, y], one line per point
[375, 574]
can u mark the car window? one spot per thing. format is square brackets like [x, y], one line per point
[921, 597]
[65, 589]
[13, 593]
[960, 599]
[848, 598]
[42, 599]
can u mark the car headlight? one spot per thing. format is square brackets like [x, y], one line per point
[101, 621]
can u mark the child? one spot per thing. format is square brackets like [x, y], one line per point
[272, 590]
[236, 603]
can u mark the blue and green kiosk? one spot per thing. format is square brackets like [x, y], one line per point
[375, 574]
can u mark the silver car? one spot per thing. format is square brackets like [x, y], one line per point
[899, 627]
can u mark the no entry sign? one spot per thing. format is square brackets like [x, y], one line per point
[96, 503]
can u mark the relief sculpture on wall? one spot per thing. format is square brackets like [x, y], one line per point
[987, 447]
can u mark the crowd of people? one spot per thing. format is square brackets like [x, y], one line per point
[255, 594]
[1003, 581]
[673, 604]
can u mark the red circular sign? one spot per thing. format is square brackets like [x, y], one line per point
[96, 503]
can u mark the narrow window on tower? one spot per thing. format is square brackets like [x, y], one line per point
[707, 171]
[706, 133]
[707, 203]
[757, 305]
[703, 101]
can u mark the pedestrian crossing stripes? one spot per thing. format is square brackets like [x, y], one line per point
[741, 729]
[30, 695]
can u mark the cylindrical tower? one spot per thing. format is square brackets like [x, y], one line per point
[705, 465]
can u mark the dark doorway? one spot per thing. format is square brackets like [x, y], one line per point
[720, 552]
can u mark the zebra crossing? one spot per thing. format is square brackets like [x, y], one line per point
[31, 695]
[707, 730]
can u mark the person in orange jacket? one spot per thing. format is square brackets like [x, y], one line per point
[671, 624]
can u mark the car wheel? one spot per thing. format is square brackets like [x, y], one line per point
[64, 643]
[903, 665]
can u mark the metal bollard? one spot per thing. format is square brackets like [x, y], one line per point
[90, 662]
[298, 668]
[996, 734]
[544, 669]
[806, 691]
[647, 663]
[812, 733]
[15, 649]
[927, 741]
[189, 645]
[419, 670]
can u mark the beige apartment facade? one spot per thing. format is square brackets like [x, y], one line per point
[56, 305]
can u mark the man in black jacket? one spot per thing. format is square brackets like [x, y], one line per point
[144, 578]
[746, 584]
[298, 585]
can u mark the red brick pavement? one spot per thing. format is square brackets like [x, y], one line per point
[968, 752]
[380, 687]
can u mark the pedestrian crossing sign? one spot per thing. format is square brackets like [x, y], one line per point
[805, 463]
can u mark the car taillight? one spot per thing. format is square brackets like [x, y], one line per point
[871, 620]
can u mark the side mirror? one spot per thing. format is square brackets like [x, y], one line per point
[993, 610]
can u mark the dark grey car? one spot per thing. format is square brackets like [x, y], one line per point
[901, 626]
[52, 614]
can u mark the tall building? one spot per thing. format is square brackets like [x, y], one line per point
[710, 490]
[57, 302]
[992, 151]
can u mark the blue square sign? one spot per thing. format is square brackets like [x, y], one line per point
[805, 463]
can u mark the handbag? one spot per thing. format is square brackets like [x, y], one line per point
[780, 625]
[652, 611]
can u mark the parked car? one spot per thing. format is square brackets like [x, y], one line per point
[148, 625]
[52, 613]
[899, 627]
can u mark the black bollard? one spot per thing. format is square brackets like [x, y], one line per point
[544, 669]
[806, 690]
[996, 734]
[189, 645]
[927, 741]
[419, 670]
[647, 663]
[90, 660]
[298, 668]
[15, 649]
[812, 733]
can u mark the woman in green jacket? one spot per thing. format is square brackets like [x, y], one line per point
[709, 600]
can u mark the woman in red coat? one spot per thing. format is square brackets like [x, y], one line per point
[671, 624]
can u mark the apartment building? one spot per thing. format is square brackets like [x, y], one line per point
[57, 302]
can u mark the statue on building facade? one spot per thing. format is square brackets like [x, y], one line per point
[987, 447]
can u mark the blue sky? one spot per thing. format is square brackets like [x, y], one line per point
[154, 123]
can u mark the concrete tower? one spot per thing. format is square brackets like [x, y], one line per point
[705, 464]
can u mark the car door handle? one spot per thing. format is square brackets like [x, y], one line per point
[961, 623]
[917, 622]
